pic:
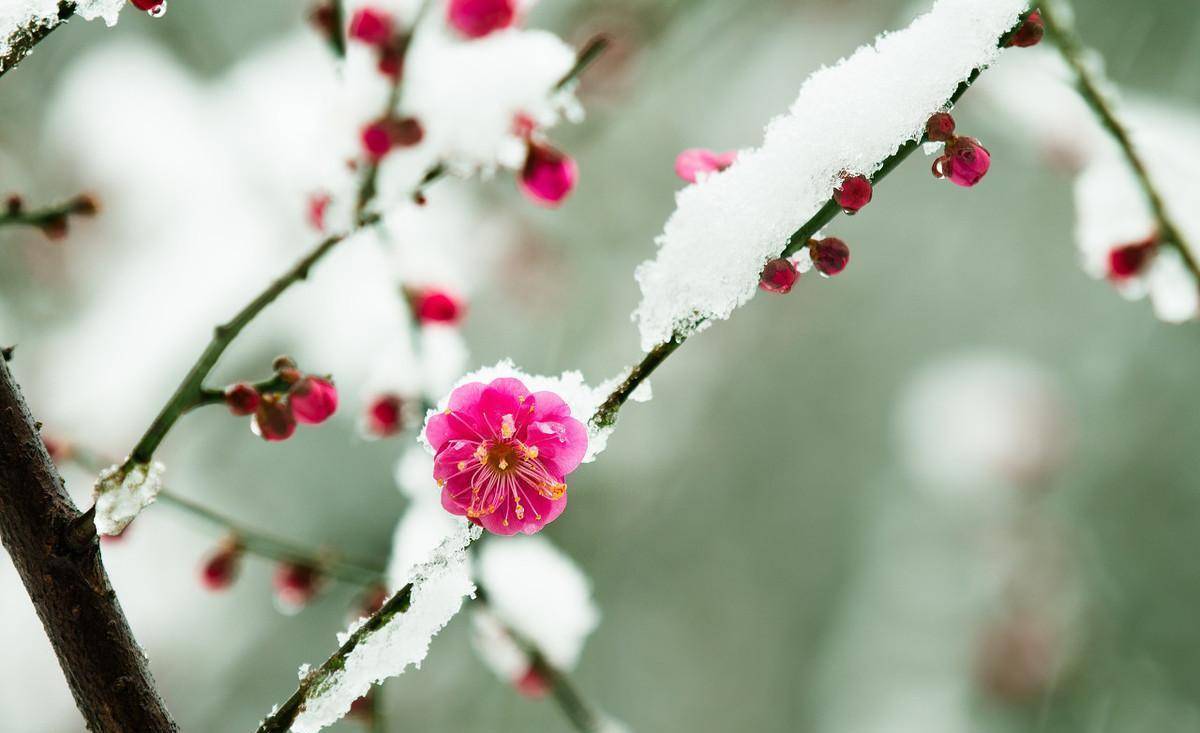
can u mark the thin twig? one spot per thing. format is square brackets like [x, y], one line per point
[257, 542]
[1088, 85]
[280, 721]
[191, 393]
[22, 41]
[583, 716]
[606, 413]
[50, 219]
[586, 56]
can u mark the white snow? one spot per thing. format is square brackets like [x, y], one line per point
[570, 386]
[439, 587]
[467, 92]
[19, 15]
[534, 589]
[121, 494]
[848, 117]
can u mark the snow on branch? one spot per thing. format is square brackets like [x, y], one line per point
[384, 644]
[848, 118]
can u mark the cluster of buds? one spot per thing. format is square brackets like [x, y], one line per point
[548, 175]
[828, 256]
[380, 136]
[280, 403]
[378, 29]
[156, 8]
[964, 160]
[55, 224]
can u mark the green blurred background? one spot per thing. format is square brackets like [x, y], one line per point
[761, 556]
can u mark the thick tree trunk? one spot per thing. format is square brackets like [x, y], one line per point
[55, 549]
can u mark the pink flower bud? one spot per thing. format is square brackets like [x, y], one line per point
[221, 568]
[391, 62]
[830, 255]
[478, 18]
[436, 306]
[273, 420]
[318, 204]
[242, 398]
[55, 227]
[384, 416]
[371, 26]
[533, 684]
[363, 708]
[1130, 260]
[380, 136]
[295, 585]
[853, 194]
[940, 127]
[1030, 33]
[548, 175]
[778, 276]
[376, 141]
[694, 162]
[965, 162]
[150, 6]
[313, 400]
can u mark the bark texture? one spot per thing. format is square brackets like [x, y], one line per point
[55, 549]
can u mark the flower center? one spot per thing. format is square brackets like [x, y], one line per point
[503, 456]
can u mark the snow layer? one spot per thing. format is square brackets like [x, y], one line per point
[848, 117]
[538, 592]
[121, 494]
[19, 15]
[582, 398]
[439, 587]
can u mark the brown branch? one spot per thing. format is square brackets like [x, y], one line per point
[21, 43]
[54, 548]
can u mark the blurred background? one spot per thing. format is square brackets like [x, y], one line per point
[952, 489]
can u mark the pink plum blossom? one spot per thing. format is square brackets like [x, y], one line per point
[502, 455]
[695, 161]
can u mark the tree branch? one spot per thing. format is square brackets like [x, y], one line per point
[191, 392]
[606, 414]
[55, 550]
[281, 720]
[21, 43]
[1088, 85]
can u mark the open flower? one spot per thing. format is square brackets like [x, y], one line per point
[502, 455]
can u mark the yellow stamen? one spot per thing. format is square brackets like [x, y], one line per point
[508, 426]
